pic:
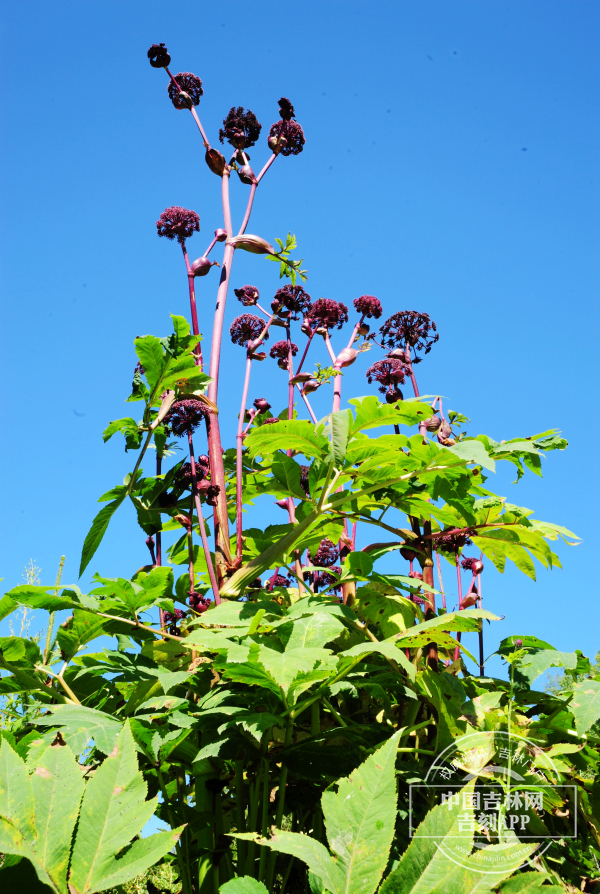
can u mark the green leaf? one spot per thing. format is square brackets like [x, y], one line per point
[58, 786]
[360, 819]
[464, 621]
[313, 853]
[79, 725]
[292, 434]
[288, 473]
[371, 413]
[385, 648]
[585, 706]
[473, 451]
[114, 811]
[338, 429]
[285, 667]
[81, 628]
[130, 429]
[311, 632]
[243, 885]
[97, 532]
[535, 663]
[525, 883]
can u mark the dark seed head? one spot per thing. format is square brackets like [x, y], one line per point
[246, 328]
[286, 137]
[240, 128]
[185, 416]
[369, 306]
[248, 295]
[293, 298]
[280, 349]
[409, 328]
[327, 313]
[159, 56]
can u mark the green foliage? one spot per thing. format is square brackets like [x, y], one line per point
[39, 814]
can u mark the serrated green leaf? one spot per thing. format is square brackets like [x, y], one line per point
[245, 884]
[79, 725]
[313, 631]
[585, 705]
[97, 531]
[473, 451]
[293, 434]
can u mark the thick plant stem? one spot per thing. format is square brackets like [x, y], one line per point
[193, 308]
[460, 602]
[481, 657]
[51, 619]
[439, 571]
[248, 209]
[280, 808]
[308, 406]
[239, 813]
[201, 525]
[239, 443]
[173, 824]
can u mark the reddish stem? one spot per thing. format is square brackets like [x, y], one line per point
[310, 338]
[238, 457]
[201, 524]
[460, 601]
[194, 312]
[439, 571]
[159, 538]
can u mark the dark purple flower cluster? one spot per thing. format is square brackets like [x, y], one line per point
[240, 128]
[183, 478]
[409, 327]
[139, 369]
[246, 328]
[293, 298]
[387, 372]
[248, 295]
[277, 580]
[327, 313]
[172, 617]
[211, 493]
[286, 109]
[271, 420]
[178, 223]
[187, 92]
[262, 405]
[448, 543]
[159, 56]
[304, 472]
[198, 603]
[287, 137]
[279, 351]
[327, 579]
[326, 555]
[185, 416]
[369, 306]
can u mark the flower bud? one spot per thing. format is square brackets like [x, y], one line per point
[306, 327]
[408, 554]
[470, 599]
[262, 405]
[433, 423]
[215, 161]
[397, 354]
[518, 643]
[311, 386]
[393, 394]
[276, 143]
[246, 175]
[476, 566]
[255, 244]
[275, 305]
[364, 329]
[249, 414]
[300, 378]
[345, 358]
[416, 575]
[260, 356]
[282, 363]
[221, 235]
[201, 266]
[283, 504]
[321, 330]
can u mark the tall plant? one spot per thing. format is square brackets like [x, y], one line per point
[280, 658]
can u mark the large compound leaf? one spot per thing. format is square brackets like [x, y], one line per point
[114, 811]
[245, 884]
[98, 530]
[536, 662]
[360, 819]
[292, 434]
[371, 413]
[313, 631]
[313, 853]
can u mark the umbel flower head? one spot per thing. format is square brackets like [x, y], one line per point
[240, 128]
[327, 313]
[452, 542]
[286, 109]
[246, 328]
[369, 306]
[287, 137]
[159, 56]
[187, 92]
[248, 295]
[184, 477]
[279, 351]
[409, 327]
[387, 372]
[178, 223]
[326, 555]
[185, 416]
[292, 298]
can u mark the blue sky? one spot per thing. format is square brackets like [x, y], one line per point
[451, 166]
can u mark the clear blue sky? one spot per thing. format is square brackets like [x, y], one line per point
[451, 166]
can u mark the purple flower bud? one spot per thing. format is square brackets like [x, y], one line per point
[393, 394]
[216, 162]
[283, 504]
[364, 329]
[345, 358]
[311, 386]
[246, 175]
[408, 554]
[271, 420]
[518, 643]
[201, 266]
[262, 405]
[221, 235]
